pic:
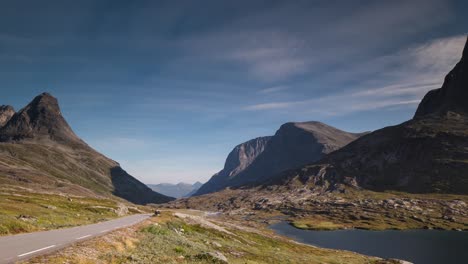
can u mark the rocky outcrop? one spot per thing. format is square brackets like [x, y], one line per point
[426, 154]
[40, 151]
[453, 94]
[293, 145]
[238, 159]
[6, 112]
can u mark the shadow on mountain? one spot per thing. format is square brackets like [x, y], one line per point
[130, 189]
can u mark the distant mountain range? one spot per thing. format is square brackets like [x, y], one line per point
[178, 190]
[39, 151]
[293, 145]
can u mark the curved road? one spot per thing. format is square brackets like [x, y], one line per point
[24, 246]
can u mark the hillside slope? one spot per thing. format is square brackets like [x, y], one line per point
[39, 151]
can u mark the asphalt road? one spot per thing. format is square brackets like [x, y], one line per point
[24, 246]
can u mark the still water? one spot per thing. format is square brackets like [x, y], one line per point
[417, 246]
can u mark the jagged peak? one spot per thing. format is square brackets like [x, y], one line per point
[41, 118]
[453, 94]
[6, 108]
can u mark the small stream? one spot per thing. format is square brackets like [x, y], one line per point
[417, 246]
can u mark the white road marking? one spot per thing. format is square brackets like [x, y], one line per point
[103, 231]
[83, 237]
[32, 252]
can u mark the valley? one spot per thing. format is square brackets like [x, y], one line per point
[345, 142]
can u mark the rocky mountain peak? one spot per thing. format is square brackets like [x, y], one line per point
[453, 95]
[40, 119]
[6, 112]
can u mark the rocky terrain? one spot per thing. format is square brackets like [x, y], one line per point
[39, 152]
[292, 146]
[178, 190]
[6, 112]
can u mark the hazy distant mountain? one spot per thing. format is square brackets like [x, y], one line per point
[428, 153]
[293, 145]
[39, 151]
[176, 190]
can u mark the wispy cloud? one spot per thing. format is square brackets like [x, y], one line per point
[273, 105]
[273, 89]
[402, 79]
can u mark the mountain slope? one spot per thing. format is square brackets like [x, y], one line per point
[39, 151]
[293, 145]
[426, 154]
[176, 190]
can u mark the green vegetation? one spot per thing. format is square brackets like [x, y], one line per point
[177, 241]
[168, 239]
[27, 212]
[316, 225]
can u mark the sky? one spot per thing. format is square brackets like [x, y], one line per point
[168, 88]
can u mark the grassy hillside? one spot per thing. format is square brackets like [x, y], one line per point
[50, 167]
[22, 211]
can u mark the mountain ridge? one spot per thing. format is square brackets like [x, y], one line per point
[294, 144]
[40, 151]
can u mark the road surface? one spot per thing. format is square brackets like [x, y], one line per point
[24, 246]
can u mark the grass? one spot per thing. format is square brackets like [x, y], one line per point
[168, 239]
[22, 212]
[312, 224]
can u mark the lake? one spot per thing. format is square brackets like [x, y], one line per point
[417, 246]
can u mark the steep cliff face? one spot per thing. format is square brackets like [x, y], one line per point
[40, 151]
[6, 112]
[426, 154]
[238, 159]
[452, 96]
[293, 145]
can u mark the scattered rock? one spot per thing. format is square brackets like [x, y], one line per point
[213, 257]
[27, 218]
[216, 244]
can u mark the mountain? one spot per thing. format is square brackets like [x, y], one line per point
[237, 160]
[426, 154]
[41, 119]
[39, 151]
[293, 145]
[178, 190]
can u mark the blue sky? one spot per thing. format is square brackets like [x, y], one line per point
[168, 88]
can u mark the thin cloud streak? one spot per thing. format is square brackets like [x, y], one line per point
[273, 89]
[413, 72]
